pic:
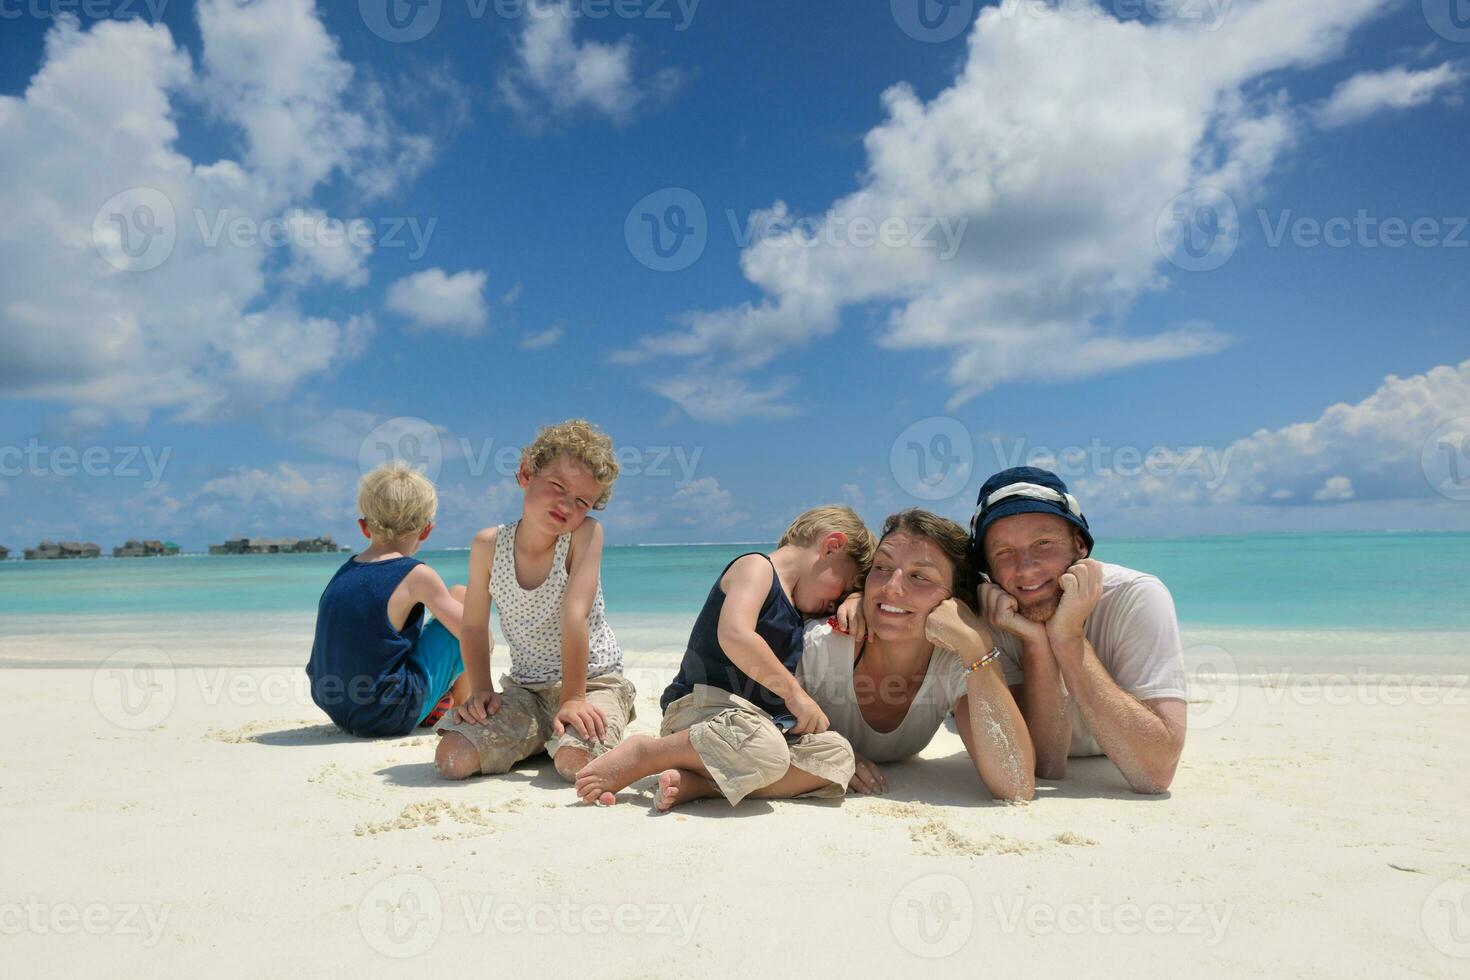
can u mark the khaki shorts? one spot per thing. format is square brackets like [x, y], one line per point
[522, 726]
[744, 750]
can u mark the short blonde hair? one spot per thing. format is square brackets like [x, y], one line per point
[581, 441]
[813, 525]
[395, 499]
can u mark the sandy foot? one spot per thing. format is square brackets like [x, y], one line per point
[612, 771]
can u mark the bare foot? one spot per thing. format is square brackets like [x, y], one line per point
[570, 760]
[612, 771]
[677, 786]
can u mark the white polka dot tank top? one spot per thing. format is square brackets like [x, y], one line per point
[530, 619]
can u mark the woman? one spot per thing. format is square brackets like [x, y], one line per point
[904, 653]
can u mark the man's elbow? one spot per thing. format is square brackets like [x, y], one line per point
[1154, 780]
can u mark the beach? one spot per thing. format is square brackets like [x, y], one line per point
[173, 813]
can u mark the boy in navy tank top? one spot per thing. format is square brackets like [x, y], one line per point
[375, 668]
[736, 721]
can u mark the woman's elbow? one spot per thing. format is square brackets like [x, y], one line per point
[1015, 791]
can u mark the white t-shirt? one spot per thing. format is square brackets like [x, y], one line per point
[1135, 634]
[825, 672]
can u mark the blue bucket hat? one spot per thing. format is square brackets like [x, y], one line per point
[1022, 490]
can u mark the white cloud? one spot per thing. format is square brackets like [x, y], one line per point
[555, 73]
[272, 69]
[1055, 150]
[1375, 449]
[284, 490]
[1335, 488]
[436, 301]
[194, 326]
[512, 295]
[701, 503]
[541, 339]
[725, 400]
[327, 250]
[1371, 92]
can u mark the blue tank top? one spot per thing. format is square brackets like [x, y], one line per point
[779, 624]
[360, 670]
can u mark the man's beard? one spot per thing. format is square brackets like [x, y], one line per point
[1040, 612]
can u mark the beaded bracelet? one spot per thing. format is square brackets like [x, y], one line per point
[992, 655]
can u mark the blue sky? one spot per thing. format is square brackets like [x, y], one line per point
[226, 385]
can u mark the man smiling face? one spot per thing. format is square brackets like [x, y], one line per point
[1027, 554]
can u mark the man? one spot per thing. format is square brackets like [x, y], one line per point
[1091, 650]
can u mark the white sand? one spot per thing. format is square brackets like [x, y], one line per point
[1311, 831]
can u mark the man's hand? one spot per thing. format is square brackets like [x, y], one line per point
[850, 616]
[953, 626]
[585, 719]
[1002, 611]
[1081, 589]
[866, 777]
[810, 718]
[478, 707]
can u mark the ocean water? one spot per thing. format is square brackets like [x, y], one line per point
[1357, 581]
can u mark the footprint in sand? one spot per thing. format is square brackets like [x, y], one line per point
[344, 784]
[429, 813]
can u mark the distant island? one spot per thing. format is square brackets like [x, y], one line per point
[276, 546]
[145, 549]
[63, 549]
[152, 548]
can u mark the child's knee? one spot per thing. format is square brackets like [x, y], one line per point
[456, 757]
[569, 761]
[458, 591]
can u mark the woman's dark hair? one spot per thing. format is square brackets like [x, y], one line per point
[951, 539]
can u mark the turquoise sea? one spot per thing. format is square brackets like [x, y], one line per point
[1356, 581]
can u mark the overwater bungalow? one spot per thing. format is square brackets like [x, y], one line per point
[276, 546]
[145, 549]
[50, 550]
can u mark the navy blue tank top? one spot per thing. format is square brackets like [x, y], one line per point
[360, 670]
[779, 624]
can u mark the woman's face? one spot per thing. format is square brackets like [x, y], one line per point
[909, 578]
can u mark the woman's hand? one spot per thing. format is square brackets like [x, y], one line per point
[866, 777]
[954, 627]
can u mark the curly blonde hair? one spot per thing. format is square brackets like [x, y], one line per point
[582, 441]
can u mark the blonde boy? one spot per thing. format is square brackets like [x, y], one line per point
[736, 721]
[375, 668]
[565, 693]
